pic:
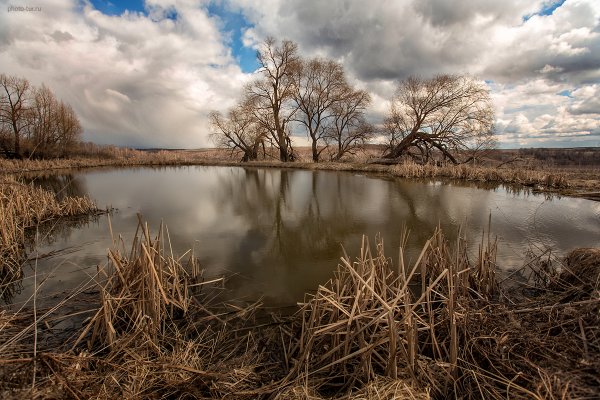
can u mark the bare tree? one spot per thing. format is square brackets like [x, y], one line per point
[69, 128]
[482, 146]
[320, 85]
[43, 121]
[14, 105]
[271, 97]
[53, 127]
[237, 131]
[34, 122]
[446, 113]
[349, 129]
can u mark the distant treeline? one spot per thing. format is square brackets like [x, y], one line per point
[34, 123]
[576, 156]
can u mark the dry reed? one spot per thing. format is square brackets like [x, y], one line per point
[445, 326]
[22, 207]
[404, 323]
[441, 327]
[150, 338]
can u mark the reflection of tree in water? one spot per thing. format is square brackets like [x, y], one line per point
[296, 219]
[423, 207]
[60, 229]
[62, 185]
[309, 226]
[42, 235]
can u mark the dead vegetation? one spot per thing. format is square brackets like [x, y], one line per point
[440, 327]
[22, 208]
[574, 181]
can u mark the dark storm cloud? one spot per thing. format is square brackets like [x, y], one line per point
[390, 39]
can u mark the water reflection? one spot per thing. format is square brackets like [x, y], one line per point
[63, 185]
[280, 232]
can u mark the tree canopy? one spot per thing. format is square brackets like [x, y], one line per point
[447, 113]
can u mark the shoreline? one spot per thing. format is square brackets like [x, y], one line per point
[572, 182]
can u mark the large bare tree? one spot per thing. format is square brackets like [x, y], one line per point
[446, 113]
[14, 106]
[271, 96]
[320, 85]
[238, 130]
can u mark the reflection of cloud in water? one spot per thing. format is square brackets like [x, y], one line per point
[281, 230]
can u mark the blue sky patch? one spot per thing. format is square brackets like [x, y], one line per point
[118, 7]
[233, 25]
[566, 93]
[547, 9]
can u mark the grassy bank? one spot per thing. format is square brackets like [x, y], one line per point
[442, 327]
[572, 181]
[22, 208]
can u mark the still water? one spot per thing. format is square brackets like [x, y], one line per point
[278, 233]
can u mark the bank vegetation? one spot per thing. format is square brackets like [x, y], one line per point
[442, 326]
[23, 208]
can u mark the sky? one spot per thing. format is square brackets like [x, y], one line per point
[147, 73]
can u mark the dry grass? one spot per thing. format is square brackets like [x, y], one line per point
[521, 176]
[441, 327]
[569, 181]
[119, 157]
[22, 207]
[150, 338]
[405, 323]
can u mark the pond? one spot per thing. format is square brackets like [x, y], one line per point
[279, 233]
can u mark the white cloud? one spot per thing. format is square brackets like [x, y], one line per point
[149, 79]
[133, 79]
[539, 112]
[530, 58]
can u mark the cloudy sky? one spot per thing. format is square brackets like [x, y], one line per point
[147, 73]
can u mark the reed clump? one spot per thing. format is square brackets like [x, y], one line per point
[151, 338]
[445, 327]
[405, 323]
[439, 327]
[142, 293]
[22, 207]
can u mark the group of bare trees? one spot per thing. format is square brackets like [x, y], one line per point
[293, 94]
[448, 116]
[33, 122]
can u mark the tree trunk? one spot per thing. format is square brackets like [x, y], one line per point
[315, 151]
[283, 152]
[401, 147]
[17, 143]
[445, 152]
